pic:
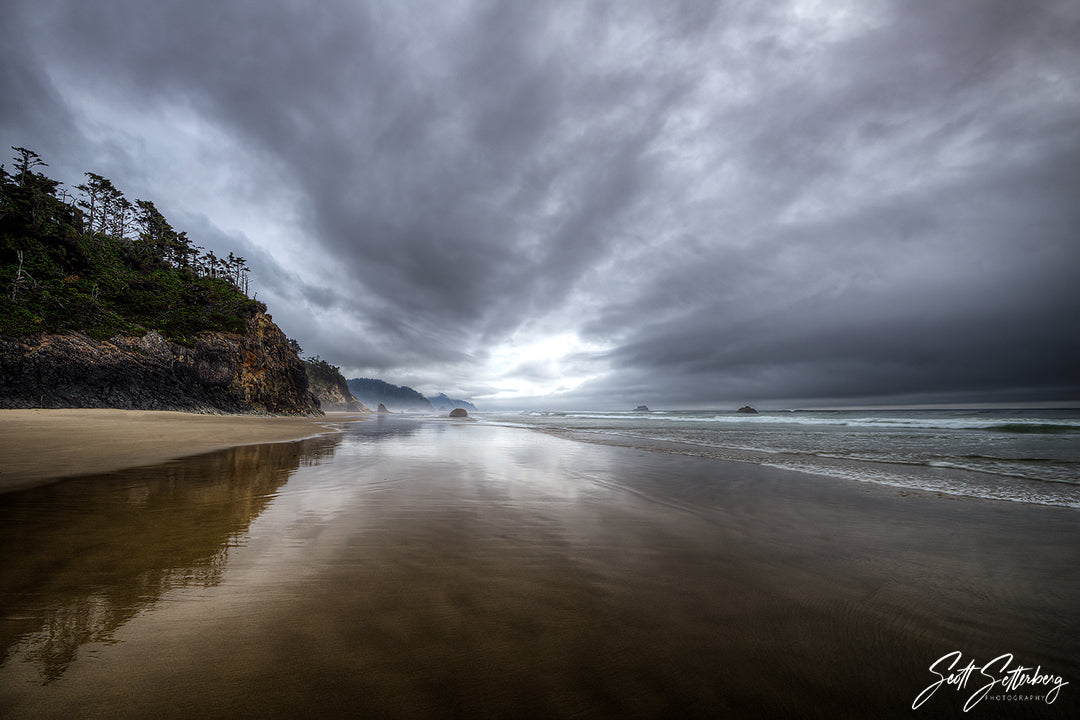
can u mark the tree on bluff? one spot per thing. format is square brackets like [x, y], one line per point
[106, 265]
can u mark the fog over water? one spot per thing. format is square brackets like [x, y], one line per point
[531, 205]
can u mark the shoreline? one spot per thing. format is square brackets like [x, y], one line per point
[519, 569]
[945, 479]
[42, 446]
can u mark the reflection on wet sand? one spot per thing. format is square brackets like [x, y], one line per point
[81, 557]
[435, 569]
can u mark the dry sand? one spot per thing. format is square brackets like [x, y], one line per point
[39, 446]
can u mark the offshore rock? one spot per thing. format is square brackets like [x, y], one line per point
[459, 413]
[382, 410]
[642, 408]
[253, 372]
[747, 410]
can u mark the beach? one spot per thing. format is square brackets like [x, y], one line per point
[39, 446]
[430, 569]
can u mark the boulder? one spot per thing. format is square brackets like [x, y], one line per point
[459, 413]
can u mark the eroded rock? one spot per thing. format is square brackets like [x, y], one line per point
[253, 372]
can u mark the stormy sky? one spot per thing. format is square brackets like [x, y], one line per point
[602, 204]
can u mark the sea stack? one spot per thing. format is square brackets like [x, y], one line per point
[642, 408]
[459, 413]
[382, 410]
[747, 410]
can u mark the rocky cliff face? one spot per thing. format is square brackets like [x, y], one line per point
[255, 371]
[331, 390]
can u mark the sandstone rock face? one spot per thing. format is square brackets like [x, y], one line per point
[332, 392]
[256, 372]
[459, 413]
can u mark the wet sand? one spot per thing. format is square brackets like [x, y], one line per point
[39, 446]
[443, 570]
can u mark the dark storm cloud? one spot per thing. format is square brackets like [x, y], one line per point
[724, 202]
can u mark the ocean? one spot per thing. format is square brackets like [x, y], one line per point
[1016, 455]
[434, 568]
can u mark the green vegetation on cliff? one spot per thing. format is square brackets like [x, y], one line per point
[100, 264]
[372, 391]
[319, 369]
[326, 382]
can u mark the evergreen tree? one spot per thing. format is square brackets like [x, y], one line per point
[75, 265]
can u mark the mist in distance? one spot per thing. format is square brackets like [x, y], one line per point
[688, 205]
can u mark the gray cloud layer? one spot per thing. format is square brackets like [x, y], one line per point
[722, 202]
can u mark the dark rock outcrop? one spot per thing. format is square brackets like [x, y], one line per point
[747, 410]
[459, 413]
[253, 372]
[642, 408]
[382, 410]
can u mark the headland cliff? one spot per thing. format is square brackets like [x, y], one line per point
[255, 371]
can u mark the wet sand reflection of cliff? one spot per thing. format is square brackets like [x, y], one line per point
[81, 557]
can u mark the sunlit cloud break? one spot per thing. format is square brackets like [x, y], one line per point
[688, 204]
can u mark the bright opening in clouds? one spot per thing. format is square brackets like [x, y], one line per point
[601, 205]
[547, 365]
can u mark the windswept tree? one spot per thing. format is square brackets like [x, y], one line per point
[235, 269]
[105, 264]
[112, 206]
[157, 235]
[29, 190]
[187, 255]
[109, 212]
[123, 216]
[25, 162]
[212, 264]
[242, 275]
[97, 196]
